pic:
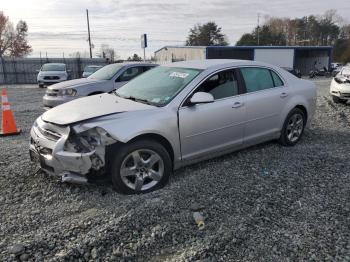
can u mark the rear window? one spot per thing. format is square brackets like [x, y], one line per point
[53, 67]
[276, 79]
[257, 79]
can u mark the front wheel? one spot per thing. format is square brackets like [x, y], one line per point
[293, 127]
[140, 167]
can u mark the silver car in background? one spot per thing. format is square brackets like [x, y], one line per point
[171, 116]
[106, 79]
[52, 73]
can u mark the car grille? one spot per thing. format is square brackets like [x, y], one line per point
[52, 92]
[51, 77]
[49, 134]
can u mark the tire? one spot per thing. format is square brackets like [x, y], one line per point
[41, 86]
[127, 176]
[291, 133]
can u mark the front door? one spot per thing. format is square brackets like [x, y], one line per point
[210, 127]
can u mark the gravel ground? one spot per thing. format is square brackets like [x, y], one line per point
[265, 203]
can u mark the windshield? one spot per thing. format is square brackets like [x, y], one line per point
[159, 85]
[91, 69]
[54, 67]
[106, 73]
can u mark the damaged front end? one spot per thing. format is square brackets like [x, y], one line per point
[342, 79]
[69, 153]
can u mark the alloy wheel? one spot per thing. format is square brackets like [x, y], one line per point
[295, 127]
[142, 169]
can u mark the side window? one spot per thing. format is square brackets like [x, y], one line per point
[276, 79]
[130, 73]
[146, 68]
[257, 79]
[221, 85]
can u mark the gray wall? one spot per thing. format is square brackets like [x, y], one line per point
[23, 70]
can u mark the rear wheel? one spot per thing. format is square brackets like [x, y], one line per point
[140, 167]
[41, 86]
[293, 127]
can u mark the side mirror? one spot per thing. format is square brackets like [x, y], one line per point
[201, 98]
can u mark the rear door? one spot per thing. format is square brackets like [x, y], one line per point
[210, 127]
[266, 95]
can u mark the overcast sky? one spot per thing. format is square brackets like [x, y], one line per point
[57, 26]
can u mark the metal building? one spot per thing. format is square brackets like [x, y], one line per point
[304, 58]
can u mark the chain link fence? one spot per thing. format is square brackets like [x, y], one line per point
[24, 70]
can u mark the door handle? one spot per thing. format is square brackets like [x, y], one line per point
[237, 104]
[283, 95]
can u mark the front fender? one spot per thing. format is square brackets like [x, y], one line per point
[126, 126]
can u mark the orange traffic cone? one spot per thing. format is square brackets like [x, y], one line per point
[8, 124]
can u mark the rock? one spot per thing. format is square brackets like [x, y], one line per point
[94, 253]
[24, 257]
[117, 252]
[16, 249]
[61, 254]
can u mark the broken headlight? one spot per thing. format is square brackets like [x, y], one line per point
[89, 140]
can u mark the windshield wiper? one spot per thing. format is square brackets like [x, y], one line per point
[144, 101]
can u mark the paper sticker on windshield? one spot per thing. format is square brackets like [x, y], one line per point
[179, 74]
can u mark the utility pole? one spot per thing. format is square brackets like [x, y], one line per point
[88, 24]
[258, 28]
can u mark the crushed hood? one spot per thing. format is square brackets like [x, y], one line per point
[90, 107]
[76, 83]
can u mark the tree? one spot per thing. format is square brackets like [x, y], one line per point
[135, 57]
[341, 51]
[13, 41]
[308, 30]
[208, 34]
[108, 53]
[266, 37]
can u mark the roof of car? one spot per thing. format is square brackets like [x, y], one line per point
[54, 64]
[213, 63]
[137, 63]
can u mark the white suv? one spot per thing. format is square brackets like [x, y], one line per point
[52, 73]
[340, 86]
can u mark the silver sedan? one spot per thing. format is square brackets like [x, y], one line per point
[171, 116]
[106, 79]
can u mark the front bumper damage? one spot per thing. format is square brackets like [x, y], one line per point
[60, 151]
